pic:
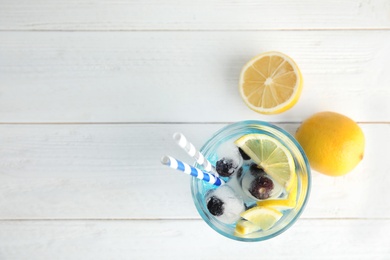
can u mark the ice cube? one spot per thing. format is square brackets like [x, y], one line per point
[249, 179]
[229, 159]
[224, 204]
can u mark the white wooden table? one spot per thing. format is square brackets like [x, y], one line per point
[92, 91]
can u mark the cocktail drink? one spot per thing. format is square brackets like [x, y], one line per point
[267, 181]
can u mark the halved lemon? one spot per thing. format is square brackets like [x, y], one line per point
[271, 155]
[270, 83]
[282, 204]
[264, 217]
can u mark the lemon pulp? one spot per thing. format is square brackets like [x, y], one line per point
[270, 83]
[271, 155]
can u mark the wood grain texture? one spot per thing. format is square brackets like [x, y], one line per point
[192, 15]
[191, 239]
[184, 76]
[114, 172]
[99, 87]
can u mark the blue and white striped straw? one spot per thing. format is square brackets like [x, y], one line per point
[181, 166]
[182, 141]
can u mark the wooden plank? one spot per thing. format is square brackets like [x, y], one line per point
[190, 15]
[185, 76]
[191, 239]
[114, 172]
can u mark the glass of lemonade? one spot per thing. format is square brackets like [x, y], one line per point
[267, 179]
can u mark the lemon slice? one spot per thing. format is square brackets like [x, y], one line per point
[270, 83]
[245, 227]
[263, 217]
[271, 155]
[282, 204]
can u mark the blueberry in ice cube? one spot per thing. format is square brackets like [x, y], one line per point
[261, 187]
[224, 204]
[215, 206]
[225, 167]
[243, 154]
[239, 172]
[256, 170]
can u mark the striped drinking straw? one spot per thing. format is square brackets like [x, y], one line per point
[182, 141]
[186, 168]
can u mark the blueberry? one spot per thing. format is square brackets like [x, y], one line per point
[224, 167]
[239, 172]
[215, 206]
[243, 154]
[255, 170]
[261, 187]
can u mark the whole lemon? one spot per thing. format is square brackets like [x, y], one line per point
[333, 143]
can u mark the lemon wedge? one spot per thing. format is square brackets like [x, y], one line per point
[245, 227]
[270, 83]
[271, 155]
[264, 217]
